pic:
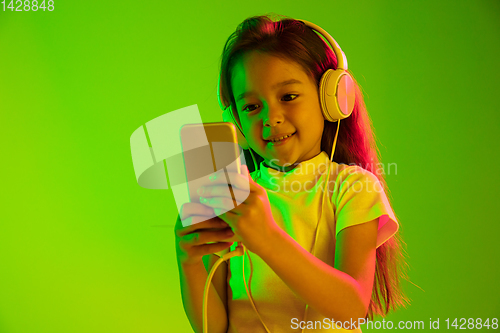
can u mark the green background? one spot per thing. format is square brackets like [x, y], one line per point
[83, 248]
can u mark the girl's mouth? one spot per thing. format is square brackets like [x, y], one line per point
[280, 142]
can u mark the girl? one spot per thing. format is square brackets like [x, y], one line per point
[270, 75]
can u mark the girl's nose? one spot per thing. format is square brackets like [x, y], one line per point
[273, 117]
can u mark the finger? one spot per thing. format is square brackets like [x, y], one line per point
[202, 237]
[178, 225]
[220, 203]
[192, 226]
[244, 169]
[227, 215]
[193, 208]
[197, 222]
[203, 250]
[230, 178]
[223, 191]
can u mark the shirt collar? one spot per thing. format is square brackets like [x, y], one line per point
[307, 169]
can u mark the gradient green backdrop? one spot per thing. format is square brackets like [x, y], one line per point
[83, 248]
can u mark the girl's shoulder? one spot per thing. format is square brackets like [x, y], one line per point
[337, 169]
[342, 174]
[344, 170]
[339, 172]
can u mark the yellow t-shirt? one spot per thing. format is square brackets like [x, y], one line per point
[295, 197]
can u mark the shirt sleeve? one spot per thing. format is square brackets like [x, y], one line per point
[358, 198]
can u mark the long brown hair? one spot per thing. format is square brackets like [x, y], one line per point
[291, 39]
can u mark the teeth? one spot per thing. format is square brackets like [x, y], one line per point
[283, 137]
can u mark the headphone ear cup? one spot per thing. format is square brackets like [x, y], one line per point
[227, 116]
[337, 95]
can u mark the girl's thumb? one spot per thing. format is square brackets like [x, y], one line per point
[244, 170]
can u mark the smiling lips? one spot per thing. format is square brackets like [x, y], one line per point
[280, 140]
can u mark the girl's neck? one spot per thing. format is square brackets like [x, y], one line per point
[280, 168]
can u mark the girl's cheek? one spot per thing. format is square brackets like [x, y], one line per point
[256, 133]
[248, 128]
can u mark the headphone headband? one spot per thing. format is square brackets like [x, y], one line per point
[341, 58]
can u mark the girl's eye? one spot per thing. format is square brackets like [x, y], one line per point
[245, 108]
[285, 98]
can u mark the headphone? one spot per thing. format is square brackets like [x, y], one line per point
[337, 97]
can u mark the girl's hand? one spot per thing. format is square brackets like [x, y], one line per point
[192, 241]
[251, 220]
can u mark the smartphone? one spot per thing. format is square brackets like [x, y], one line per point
[208, 148]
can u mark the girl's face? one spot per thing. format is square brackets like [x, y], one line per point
[276, 97]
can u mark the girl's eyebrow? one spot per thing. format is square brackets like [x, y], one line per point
[277, 85]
